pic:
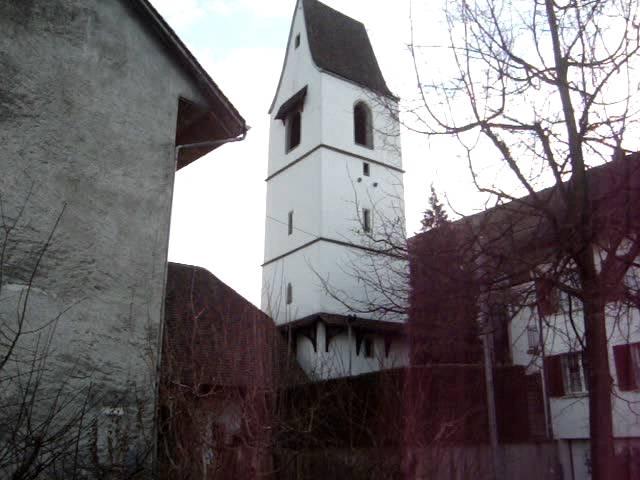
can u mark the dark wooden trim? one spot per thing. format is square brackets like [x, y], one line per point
[359, 334]
[332, 331]
[311, 333]
[387, 345]
[337, 150]
[294, 103]
[370, 325]
[359, 247]
[305, 245]
[277, 172]
[330, 240]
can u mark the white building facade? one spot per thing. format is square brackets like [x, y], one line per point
[550, 334]
[334, 183]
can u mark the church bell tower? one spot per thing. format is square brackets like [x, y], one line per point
[334, 185]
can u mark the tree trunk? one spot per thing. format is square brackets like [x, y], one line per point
[600, 384]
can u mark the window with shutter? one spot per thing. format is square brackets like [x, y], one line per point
[566, 374]
[533, 339]
[547, 297]
[554, 375]
[573, 373]
[627, 360]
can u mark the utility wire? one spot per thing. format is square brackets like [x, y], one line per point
[293, 226]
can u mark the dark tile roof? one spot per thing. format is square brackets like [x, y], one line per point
[373, 326]
[215, 337]
[294, 102]
[523, 226]
[499, 247]
[340, 45]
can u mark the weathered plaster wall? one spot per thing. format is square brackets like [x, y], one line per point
[88, 105]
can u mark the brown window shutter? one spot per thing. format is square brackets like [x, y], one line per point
[554, 376]
[622, 357]
[615, 291]
[547, 296]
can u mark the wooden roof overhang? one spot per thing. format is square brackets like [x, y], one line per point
[217, 118]
[294, 103]
[338, 324]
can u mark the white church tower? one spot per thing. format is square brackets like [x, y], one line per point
[334, 183]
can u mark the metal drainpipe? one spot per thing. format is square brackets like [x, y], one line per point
[210, 143]
[548, 421]
[487, 350]
[487, 344]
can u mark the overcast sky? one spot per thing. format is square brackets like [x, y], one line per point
[219, 201]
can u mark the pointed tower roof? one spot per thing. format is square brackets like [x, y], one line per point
[340, 45]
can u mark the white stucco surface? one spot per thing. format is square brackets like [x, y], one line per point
[322, 181]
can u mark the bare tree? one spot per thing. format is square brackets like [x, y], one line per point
[52, 423]
[224, 367]
[546, 89]
[379, 266]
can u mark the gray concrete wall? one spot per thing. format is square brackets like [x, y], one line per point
[88, 105]
[525, 461]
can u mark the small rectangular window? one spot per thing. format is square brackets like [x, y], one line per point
[365, 169]
[290, 223]
[366, 219]
[289, 294]
[297, 40]
[567, 374]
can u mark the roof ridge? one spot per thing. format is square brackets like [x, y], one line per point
[335, 11]
[340, 45]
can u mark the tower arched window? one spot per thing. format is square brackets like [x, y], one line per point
[362, 125]
[293, 124]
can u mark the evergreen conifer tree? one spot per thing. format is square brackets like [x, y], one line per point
[435, 216]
